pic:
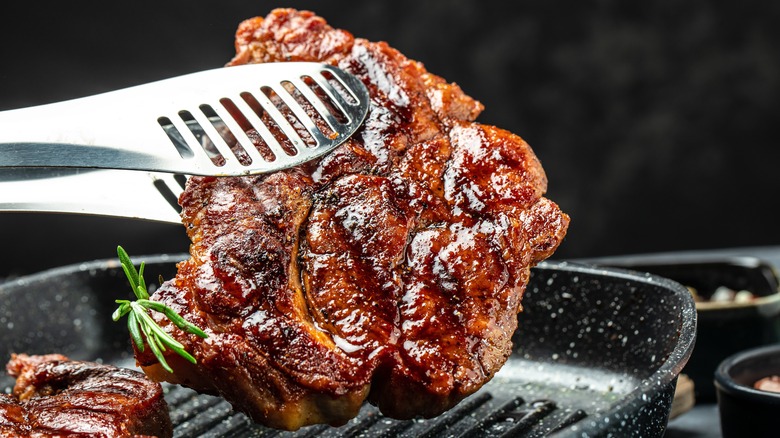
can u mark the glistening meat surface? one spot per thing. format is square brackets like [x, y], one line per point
[391, 270]
[58, 397]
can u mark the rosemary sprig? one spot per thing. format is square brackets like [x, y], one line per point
[139, 322]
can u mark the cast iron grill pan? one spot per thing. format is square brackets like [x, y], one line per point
[597, 353]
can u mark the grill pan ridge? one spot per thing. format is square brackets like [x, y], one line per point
[597, 353]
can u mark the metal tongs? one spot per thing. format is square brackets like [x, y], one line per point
[232, 121]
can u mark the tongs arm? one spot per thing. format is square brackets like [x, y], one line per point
[118, 193]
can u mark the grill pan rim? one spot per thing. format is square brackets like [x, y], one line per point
[595, 423]
[664, 376]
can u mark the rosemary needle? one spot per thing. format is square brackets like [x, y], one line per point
[141, 325]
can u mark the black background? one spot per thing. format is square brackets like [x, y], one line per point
[655, 121]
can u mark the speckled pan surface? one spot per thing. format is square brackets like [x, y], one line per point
[598, 352]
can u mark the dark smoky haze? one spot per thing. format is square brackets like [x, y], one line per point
[655, 121]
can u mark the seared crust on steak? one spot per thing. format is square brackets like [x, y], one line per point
[391, 270]
[56, 397]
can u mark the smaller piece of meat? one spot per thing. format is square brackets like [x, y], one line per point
[55, 396]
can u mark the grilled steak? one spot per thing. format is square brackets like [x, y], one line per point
[54, 396]
[391, 270]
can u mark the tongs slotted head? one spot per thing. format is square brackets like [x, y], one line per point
[231, 121]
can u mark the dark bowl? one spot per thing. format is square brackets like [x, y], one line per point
[744, 410]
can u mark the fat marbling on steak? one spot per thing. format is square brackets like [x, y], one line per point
[391, 270]
[58, 397]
